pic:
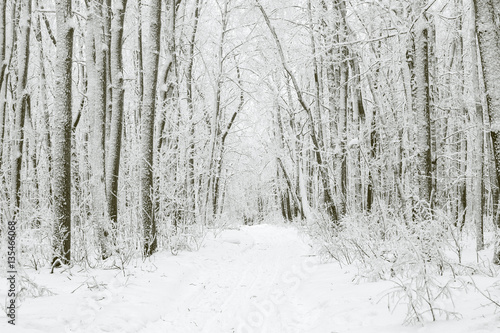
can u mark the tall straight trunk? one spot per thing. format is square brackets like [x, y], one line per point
[462, 147]
[189, 89]
[280, 189]
[489, 47]
[341, 163]
[22, 95]
[62, 130]
[423, 113]
[96, 87]
[491, 171]
[458, 143]
[8, 79]
[31, 153]
[333, 115]
[139, 64]
[358, 117]
[42, 86]
[476, 112]
[115, 138]
[317, 80]
[169, 82]
[299, 191]
[370, 191]
[106, 14]
[341, 156]
[435, 124]
[168, 79]
[151, 54]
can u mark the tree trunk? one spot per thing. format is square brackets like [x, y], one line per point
[341, 156]
[106, 14]
[115, 138]
[139, 64]
[489, 47]
[476, 112]
[62, 130]
[96, 88]
[189, 90]
[42, 86]
[151, 54]
[216, 114]
[22, 95]
[220, 160]
[423, 114]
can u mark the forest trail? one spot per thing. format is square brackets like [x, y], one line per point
[241, 286]
[262, 278]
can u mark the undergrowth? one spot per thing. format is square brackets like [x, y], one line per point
[420, 255]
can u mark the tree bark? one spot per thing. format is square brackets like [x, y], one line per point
[22, 95]
[62, 130]
[219, 163]
[117, 91]
[476, 112]
[151, 54]
[214, 124]
[341, 156]
[423, 113]
[489, 47]
[139, 64]
[42, 86]
[96, 90]
[189, 90]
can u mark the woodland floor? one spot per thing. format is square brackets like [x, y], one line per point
[262, 278]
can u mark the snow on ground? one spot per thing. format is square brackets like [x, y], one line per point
[262, 278]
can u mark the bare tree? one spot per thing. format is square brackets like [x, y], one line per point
[489, 47]
[62, 130]
[96, 78]
[113, 154]
[327, 197]
[150, 52]
[190, 101]
[423, 112]
[475, 108]
[22, 96]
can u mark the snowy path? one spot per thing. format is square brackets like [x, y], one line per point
[257, 279]
[241, 286]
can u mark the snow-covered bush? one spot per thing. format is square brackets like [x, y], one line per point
[414, 254]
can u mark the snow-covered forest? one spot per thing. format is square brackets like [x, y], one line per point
[250, 165]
